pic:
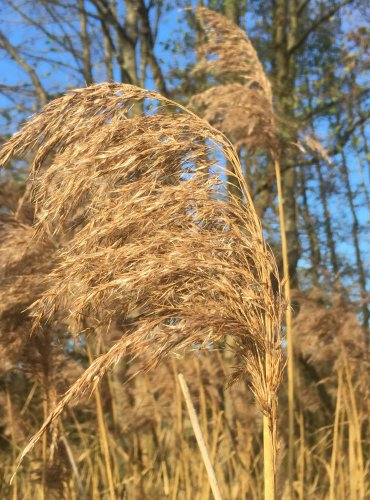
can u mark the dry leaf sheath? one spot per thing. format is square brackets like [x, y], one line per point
[147, 237]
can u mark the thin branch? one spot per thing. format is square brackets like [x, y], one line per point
[61, 41]
[317, 24]
[301, 7]
[12, 51]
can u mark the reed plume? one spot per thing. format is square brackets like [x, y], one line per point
[148, 239]
[23, 265]
[240, 105]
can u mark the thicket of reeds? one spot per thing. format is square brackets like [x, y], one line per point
[135, 255]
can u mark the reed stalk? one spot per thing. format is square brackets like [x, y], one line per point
[335, 438]
[289, 328]
[14, 443]
[200, 439]
[268, 459]
[102, 431]
[74, 467]
[355, 437]
[44, 454]
[244, 112]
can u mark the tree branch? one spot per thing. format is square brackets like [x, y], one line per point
[147, 37]
[12, 51]
[317, 24]
[302, 6]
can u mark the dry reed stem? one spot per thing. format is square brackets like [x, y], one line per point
[102, 431]
[289, 329]
[200, 439]
[335, 438]
[354, 428]
[148, 240]
[74, 467]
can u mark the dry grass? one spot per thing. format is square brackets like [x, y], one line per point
[147, 238]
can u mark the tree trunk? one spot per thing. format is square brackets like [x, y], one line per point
[285, 23]
[232, 10]
[147, 42]
[356, 243]
[327, 223]
[85, 41]
[315, 254]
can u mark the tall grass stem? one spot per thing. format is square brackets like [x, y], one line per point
[200, 439]
[289, 329]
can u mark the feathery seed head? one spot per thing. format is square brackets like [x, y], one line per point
[146, 237]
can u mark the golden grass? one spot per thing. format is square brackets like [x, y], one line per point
[241, 110]
[147, 239]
